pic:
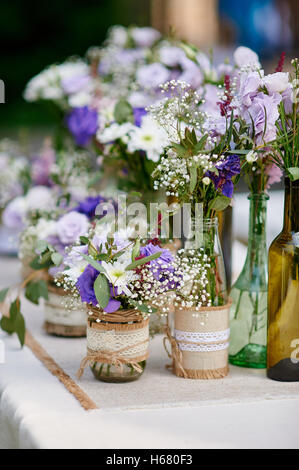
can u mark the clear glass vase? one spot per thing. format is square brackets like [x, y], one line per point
[206, 237]
[283, 294]
[248, 315]
[117, 345]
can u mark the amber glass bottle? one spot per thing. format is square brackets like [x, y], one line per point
[283, 293]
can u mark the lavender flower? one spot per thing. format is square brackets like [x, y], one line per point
[152, 75]
[83, 124]
[138, 115]
[85, 285]
[89, 205]
[162, 266]
[41, 166]
[145, 37]
[226, 170]
[264, 114]
[75, 84]
[71, 226]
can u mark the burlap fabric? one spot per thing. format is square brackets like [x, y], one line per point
[116, 342]
[61, 321]
[199, 343]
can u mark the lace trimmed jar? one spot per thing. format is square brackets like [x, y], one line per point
[117, 345]
[61, 320]
[200, 342]
[199, 339]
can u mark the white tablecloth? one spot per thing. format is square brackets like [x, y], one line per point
[36, 411]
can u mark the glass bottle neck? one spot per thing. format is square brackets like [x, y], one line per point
[256, 263]
[291, 206]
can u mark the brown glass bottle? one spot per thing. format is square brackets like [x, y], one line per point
[283, 293]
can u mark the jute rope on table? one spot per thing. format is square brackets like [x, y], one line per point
[215, 350]
[54, 368]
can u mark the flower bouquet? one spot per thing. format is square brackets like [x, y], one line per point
[283, 292]
[198, 169]
[122, 282]
[43, 246]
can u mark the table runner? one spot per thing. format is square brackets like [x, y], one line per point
[157, 387]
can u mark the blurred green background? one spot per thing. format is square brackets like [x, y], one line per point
[35, 34]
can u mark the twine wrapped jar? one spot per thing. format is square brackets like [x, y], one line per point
[199, 343]
[117, 345]
[60, 320]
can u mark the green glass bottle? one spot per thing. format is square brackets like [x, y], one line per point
[283, 295]
[248, 315]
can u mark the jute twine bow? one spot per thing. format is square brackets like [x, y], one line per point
[176, 354]
[111, 357]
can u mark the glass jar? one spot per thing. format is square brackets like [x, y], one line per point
[283, 294]
[206, 237]
[248, 315]
[110, 373]
[117, 347]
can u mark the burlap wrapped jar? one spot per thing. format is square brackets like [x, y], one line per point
[199, 343]
[117, 345]
[60, 320]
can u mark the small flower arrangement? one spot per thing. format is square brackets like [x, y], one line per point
[111, 272]
[53, 179]
[43, 248]
[286, 145]
[197, 166]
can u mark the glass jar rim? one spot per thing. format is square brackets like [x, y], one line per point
[262, 196]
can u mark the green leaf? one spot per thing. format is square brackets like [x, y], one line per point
[84, 240]
[93, 263]
[3, 293]
[102, 290]
[20, 328]
[92, 250]
[141, 261]
[14, 310]
[294, 173]
[220, 203]
[57, 259]
[38, 264]
[136, 250]
[35, 290]
[41, 246]
[143, 307]
[123, 112]
[7, 325]
[201, 144]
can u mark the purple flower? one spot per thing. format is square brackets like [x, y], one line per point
[152, 75]
[85, 285]
[75, 84]
[71, 226]
[83, 124]
[14, 214]
[88, 206]
[264, 113]
[248, 88]
[138, 115]
[161, 266]
[41, 166]
[145, 37]
[226, 170]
